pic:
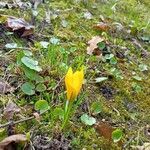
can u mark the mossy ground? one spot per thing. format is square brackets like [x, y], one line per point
[125, 108]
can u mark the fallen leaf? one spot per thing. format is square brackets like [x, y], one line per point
[102, 26]
[5, 87]
[13, 138]
[105, 130]
[18, 25]
[93, 46]
[11, 109]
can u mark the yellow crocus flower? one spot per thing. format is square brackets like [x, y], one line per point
[73, 82]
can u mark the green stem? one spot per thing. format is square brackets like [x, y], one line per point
[68, 107]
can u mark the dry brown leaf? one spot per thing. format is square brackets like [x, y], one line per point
[10, 109]
[5, 87]
[105, 130]
[13, 138]
[93, 49]
[102, 26]
[19, 26]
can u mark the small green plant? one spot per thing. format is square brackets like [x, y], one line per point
[137, 88]
[41, 105]
[116, 73]
[101, 45]
[96, 107]
[28, 88]
[30, 67]
[112, 59]
[117, 135]
[143, 67]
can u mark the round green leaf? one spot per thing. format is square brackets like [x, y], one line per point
[28, 88]
[101, 45]
[113, 61]
[31, 74]
[96, 107]
[39, 79]
[41, 105]
[41, 87]
[30, 63]
[88, 120]
[117, 135]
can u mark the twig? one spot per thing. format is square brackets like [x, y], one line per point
[130, 140]
[19, 121]
[58, 83]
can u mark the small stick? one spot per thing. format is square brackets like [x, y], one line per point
[19, 121]
[130, 140]
[58, 83]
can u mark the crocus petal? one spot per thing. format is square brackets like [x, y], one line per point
[70, 92]
[68, 81]
[69, 75]
[68, 78]
[73, 83]
[78, 80]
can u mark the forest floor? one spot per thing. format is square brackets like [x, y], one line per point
[110, 39]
